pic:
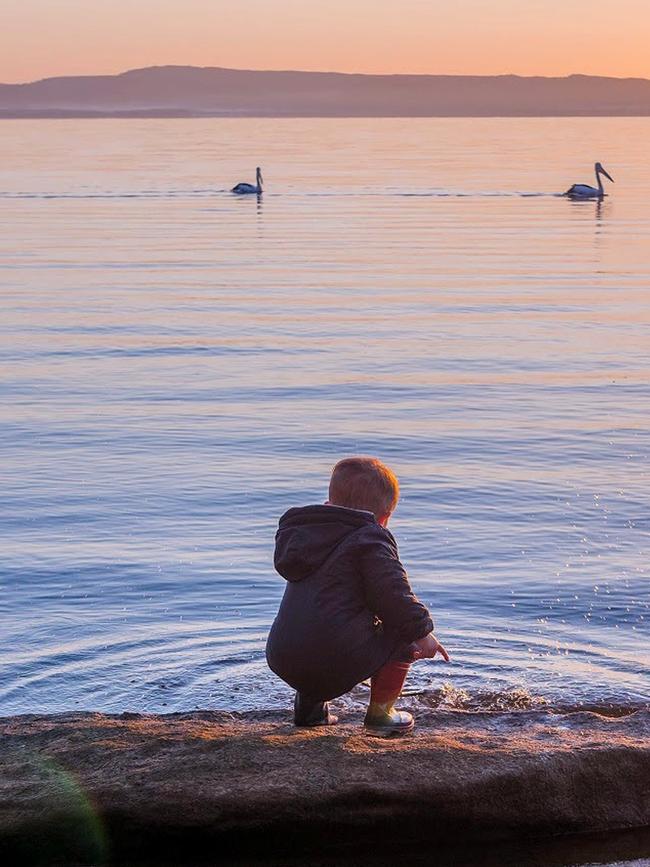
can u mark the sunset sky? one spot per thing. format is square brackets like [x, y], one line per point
[40, 38]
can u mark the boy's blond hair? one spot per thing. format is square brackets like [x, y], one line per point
[364, 483]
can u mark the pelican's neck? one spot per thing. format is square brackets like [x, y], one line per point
[599, 181]
[258, 180]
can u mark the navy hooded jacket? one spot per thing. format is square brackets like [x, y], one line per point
[348, 606]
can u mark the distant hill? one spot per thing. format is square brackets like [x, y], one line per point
[179, 91]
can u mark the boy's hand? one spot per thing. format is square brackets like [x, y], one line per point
[428, 647]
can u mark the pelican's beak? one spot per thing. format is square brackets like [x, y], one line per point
[607, 174]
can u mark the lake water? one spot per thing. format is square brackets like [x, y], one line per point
[179, 366]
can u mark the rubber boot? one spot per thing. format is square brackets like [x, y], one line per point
[383, 722]
[312, 712]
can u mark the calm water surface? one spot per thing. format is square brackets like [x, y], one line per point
[179, 366]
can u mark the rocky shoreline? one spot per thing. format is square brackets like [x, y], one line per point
[91, 788]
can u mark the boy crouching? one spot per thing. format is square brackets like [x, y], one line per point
[348, 612]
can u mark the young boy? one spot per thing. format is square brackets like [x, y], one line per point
[348, 611]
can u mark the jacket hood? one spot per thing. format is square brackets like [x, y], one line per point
[308, 535]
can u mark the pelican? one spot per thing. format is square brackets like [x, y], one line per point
[243, 189]
[584, 191]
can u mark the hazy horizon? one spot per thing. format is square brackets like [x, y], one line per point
[174, 91]
[574, 74]
[542, 37]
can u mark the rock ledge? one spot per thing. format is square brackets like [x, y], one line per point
[74, 786]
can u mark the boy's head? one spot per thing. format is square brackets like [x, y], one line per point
[364, 483]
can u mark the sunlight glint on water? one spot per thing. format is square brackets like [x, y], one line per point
[180, 366]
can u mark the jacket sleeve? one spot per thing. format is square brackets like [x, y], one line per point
[388, 593]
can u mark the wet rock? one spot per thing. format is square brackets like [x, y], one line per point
[74, 785]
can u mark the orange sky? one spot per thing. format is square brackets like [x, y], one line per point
[39, 38]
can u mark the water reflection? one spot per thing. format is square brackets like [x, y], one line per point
[172, 383]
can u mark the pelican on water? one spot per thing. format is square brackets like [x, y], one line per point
[242, 189]
[584, 191]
